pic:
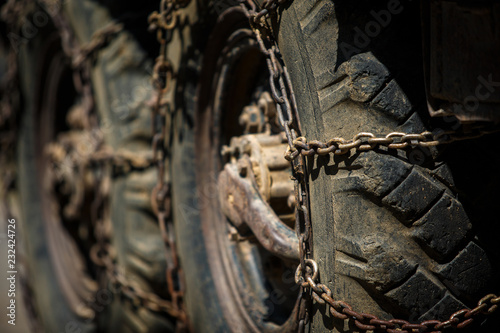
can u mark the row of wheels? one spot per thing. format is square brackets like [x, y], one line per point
[401, 234]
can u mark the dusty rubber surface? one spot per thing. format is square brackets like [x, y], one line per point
[391, 234]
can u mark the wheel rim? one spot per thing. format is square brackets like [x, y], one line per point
[256, 289]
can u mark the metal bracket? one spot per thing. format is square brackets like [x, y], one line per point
[243, 204]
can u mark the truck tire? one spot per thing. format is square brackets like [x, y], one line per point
[399, 235]
[136, 236]
[44, 236]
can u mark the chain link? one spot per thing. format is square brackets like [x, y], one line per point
[164, 21]
[299, 147]
[99, 39]
[102, 252]
[368, 322]
[365, 141]
[282, 93]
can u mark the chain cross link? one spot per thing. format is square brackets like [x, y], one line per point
[164, 21]
[365, 141]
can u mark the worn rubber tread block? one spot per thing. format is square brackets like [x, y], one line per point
[469, 272]
[448, 305]
[316, 15]
[418, 293]
[411, 198]
[443, 228]
[443, 174]
[366, 76]
[381, 174]
[392, 101]
[377, 273]
[314, 22]
[367, 252]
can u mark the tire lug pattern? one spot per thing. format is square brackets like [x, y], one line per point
[443, 228]
[411, 198]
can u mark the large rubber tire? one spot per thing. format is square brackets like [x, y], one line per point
[395, 234]
[121, 82]
[51, 307]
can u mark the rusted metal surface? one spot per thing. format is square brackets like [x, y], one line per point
[255, 183]
[164, 21]
[244, 206]
[366, 141]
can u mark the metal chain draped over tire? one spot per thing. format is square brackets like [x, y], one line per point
[163, 22]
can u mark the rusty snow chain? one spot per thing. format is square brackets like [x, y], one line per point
[103, 255]
[75, 154]
[299, 147]
[282, 93]
[164, 21]
[80, 55]
[103, 163]
[366, 141]
[99, 39]
[368, 322]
